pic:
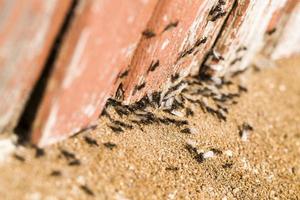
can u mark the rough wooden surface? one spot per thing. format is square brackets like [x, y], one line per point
[27, 32]
[177, 49]
[174, 38]
[99, 45]
[288, 43]
[242, 37]
[129, 49]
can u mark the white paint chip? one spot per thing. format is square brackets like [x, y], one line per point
[165, 44]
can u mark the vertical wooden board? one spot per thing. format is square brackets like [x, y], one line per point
[99, 44]
[277, 27]
[288, 43]
[178, 36]
[27, 32]
[242, 37]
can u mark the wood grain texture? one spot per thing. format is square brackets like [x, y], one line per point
[27, 32]
[100, 44]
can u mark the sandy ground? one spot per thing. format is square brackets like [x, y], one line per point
[152, 161]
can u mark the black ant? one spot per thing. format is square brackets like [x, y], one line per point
[186, 130]
[110, 145]
[171, 25]
[189, 112]
[87, 190]
[148, 33]
[74, 162]
[124, 74]
[19, 158]
[55, 173]
[68, 155]
[171, 168]
[153, 66]
[90, 141]
[116, 129]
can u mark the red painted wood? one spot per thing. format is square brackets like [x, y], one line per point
[99, 45]
[179, 49]
[27, 32]
[153, 40]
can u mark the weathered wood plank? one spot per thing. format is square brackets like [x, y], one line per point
[100, 44]
[288, 43]
[242, 37]
[27, 32]
[153, 40]
[179, 49]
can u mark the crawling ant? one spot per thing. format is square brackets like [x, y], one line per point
[189, 112]
[186, 130]
[227, 165]
[74, 162]
[55, 173]
[191, 149]
[153, 66]
[191, 50]
[90, 141]
[116, 129]
[200, 41]
[174, 77]
[68, 155]
[171, 168]
[272, 31]
[242, 89]
[87, 190]
[124, 125]
[19, 158]
[183, 54]
[216, 11]
[141, 86]
[216, 151]
[163, 121]
[199, 158]
[247, 126]
[218, 15]
[138, 87]
[156, 97]
[221, 116]
[148, 33]
[176, 122]
[39, 152]
[120, 111]
[235, 61]
[124, 74]
[110, 145]
[171, 25]
[112, 102]
[140, 105]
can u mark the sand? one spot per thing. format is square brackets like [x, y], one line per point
[152, 161]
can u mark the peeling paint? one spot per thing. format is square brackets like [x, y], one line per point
[74, 68]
